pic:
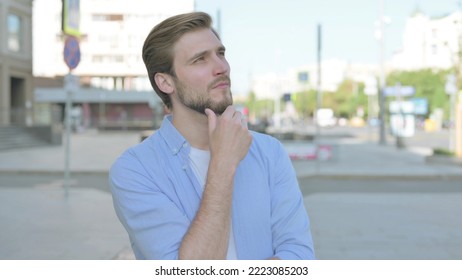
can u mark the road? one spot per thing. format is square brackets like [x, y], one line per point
[350, 218]
[354, 218]
[312, 185]
[309, 185]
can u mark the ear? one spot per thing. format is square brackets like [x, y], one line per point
[164, 82]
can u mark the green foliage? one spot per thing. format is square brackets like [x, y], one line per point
[428, 84]
[305, 102]
[350, 96]
[443, 152]
[259, 108]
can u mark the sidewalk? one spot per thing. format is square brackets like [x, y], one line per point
[94, 152]
[90, 152]
[42, 223]
[359, 159]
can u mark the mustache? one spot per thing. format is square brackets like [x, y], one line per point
[219, 80]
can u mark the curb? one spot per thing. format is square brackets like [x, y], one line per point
[53, 172]
[448, 160]
[384, 177]
[337, 176]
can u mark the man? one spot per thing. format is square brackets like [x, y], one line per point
[203, 186]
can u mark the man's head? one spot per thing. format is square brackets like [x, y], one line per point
[170, 43]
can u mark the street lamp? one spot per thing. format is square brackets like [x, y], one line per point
[380, 34]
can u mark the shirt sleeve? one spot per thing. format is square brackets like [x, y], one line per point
[290, 222]
[142, 208]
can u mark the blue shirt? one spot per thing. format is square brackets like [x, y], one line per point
[156, 196]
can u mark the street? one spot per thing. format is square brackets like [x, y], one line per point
[309, 185]
[354, 218]
[385, 219]
[369, 202]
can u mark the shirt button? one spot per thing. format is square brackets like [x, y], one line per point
[184, 167]
[174, 151]
[185, 145]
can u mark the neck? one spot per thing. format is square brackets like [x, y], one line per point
[193, 126]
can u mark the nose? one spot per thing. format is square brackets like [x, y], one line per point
[221, 66]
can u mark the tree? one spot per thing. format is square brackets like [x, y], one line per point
[347, 99]
[305, 103]
[259, 108]
[428, 84]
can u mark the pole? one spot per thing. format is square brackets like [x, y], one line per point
[277, 104]
[452, 108]
[67, 154]
[319, 92]
[458, 127]
[400, 130]
[381, 100]
[318, 97]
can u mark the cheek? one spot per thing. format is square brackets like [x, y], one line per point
[197, 78]
[198, 81]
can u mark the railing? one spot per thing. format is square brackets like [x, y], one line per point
[38, 115]
[53, 114]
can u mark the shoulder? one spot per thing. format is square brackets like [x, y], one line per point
[264, 139]
[265, 143]
[139, 156]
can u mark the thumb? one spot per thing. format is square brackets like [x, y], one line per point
[212, 118]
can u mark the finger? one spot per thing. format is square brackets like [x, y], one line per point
[229, 112]
[237, 115]
[244, 122]
[212, 119]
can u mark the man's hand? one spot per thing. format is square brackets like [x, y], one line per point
[229, 142]
[229, 137]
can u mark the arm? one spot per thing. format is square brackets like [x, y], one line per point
[290, 223]
[142, 207]
[229, 141]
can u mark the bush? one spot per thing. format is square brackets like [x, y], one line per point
[443, 152]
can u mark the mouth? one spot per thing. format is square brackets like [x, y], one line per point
[221, 83]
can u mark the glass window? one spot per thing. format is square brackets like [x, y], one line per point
[15, 33]
[434, 49]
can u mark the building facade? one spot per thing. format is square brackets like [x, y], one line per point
[429, 42]
[111, 40]
[113, 33]
[16, 98]
[333, 73]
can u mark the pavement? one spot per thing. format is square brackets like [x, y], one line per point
[44, 221]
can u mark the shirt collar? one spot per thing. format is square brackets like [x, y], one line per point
[175, 141]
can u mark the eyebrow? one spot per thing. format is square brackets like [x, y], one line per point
[197, 55]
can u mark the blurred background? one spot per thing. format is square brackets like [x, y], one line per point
[364, 95]
[360, 63]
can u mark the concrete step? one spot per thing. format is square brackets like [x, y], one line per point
[15, 137]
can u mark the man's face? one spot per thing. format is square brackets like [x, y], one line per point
[202, 72]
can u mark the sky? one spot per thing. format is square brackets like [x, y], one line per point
[272, 36]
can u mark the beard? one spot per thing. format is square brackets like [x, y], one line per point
[199, 101]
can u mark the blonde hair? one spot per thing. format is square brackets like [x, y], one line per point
[158, 46]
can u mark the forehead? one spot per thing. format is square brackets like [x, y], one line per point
[194, 42]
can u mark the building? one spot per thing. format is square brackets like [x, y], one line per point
[429, 42]
[112, 36]
[16, 98]
[333, 73]
[113, 33]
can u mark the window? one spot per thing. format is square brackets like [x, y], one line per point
[434, 49]
[107, 58]
[107, 17]
[15, 33]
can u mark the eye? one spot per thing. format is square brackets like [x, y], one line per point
[221, 53]
[199, 59]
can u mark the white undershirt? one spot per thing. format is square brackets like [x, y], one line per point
[199, 161]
